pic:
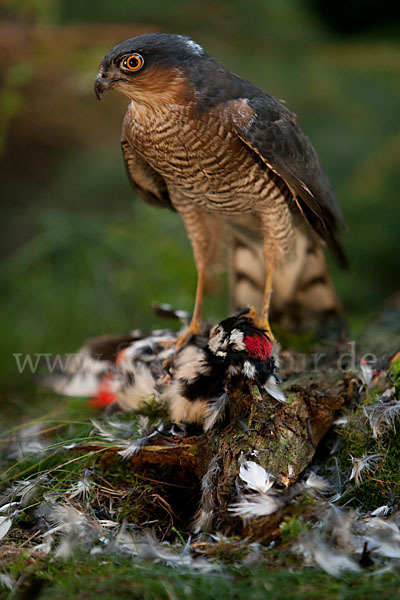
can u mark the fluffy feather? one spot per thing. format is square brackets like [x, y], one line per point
[329, 559]
[256, 506]
[256, 477]
[365, 464]
[383, 414]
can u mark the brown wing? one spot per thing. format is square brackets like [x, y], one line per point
[146, 182]
[269, 129]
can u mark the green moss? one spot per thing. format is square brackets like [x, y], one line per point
[395, 371]
[278, 577]
[395, 368]
[291, 527]
[380, 486]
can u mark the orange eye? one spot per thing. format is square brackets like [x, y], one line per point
[134, 62]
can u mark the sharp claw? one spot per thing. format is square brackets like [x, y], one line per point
[263, 323]
[192, 330]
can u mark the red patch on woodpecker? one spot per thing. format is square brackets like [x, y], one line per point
[258, 346]
[104, 396]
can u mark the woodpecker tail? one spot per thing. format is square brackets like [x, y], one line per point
[303, 296]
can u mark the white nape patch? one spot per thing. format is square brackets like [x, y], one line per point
[194, 47]
[216, 345]
[256, 477]
[249, 370]
[83, 384]
[274, 390]
[236, 339]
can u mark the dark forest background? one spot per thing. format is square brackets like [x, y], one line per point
[81, 254]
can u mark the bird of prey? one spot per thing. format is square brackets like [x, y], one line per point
[233, 162]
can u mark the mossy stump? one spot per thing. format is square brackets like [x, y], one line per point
[200, 473]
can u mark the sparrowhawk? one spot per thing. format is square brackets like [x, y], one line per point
[233, 162]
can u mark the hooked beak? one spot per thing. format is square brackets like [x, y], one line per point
[101, 85]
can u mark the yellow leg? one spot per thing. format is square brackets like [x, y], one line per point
[202, 236]
[195, 323]
[264, 321]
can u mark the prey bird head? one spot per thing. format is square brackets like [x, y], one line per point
[150, 66]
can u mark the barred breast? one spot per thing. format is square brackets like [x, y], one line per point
[205, 164]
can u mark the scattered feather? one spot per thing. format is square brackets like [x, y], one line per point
[340, 522]
[149, 548]
[381, 511]
[366, 373]
[215, 411]
[382, 415]
[9, 508]
[28, 441]
[6, 581]
[133, 447]
[103, 431]
[82, 488]
[316, 483]
[5, 525]
[256, 505]
[256, 477]
[365, 464]
[46, 546]
[274, 390]
[341, 421]
[203, 519]
[383, 537]
[332, 561]
[143, 427]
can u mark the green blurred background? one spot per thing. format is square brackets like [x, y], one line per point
[81, 254]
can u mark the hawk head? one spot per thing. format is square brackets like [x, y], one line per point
[150, 66]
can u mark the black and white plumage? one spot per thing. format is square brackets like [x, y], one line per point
[193, 382]
[236, 348]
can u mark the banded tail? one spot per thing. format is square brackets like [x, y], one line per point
[303, 295]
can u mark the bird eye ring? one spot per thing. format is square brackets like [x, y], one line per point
[134, 62]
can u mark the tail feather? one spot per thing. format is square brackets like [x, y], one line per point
[303, 295]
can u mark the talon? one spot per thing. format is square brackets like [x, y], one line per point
[264, 324]
[192, 330]
[166, 343]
